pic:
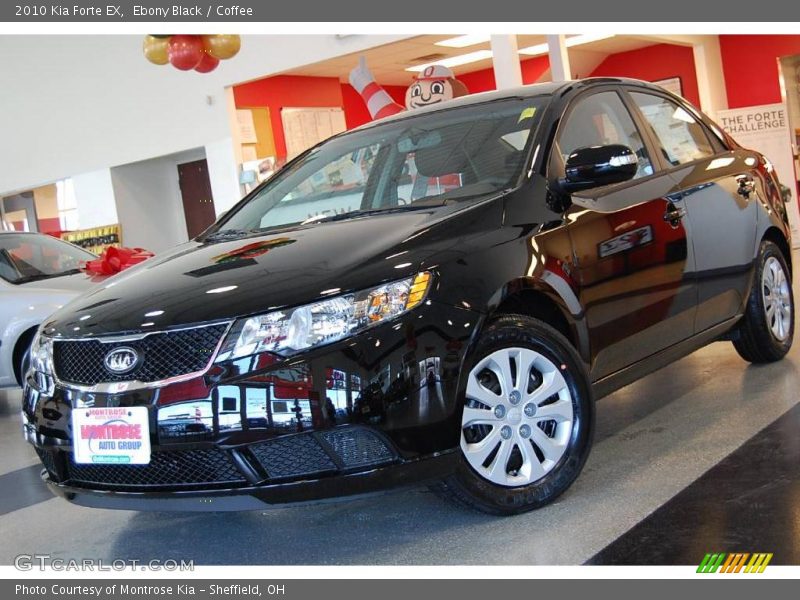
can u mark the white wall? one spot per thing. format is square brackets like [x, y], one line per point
[222, 173]
[77, 103]
[94, 194]
[148, 200]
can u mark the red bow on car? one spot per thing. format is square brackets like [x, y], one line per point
[113, 260]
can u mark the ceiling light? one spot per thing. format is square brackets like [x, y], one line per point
[454, 61]
[535, 50]
[462, 41]
[575, 40]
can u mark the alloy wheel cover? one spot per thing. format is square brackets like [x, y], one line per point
[517, 429]
[777, 298]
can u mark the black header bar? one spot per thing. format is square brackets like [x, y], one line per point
[413, 11]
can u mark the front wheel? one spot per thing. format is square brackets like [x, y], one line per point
[527, 421]
[767, 328]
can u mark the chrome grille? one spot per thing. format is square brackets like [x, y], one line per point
[163, 355]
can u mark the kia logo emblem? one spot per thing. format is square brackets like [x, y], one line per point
[121, 360]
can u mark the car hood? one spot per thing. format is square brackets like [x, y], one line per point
[76, 283]
[201, 282]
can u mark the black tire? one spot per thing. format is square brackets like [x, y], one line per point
[465, 486]
[755, 341]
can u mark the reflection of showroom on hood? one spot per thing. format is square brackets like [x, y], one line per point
[165, 152]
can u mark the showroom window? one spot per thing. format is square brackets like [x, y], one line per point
[67, 205]
[599, 120]
[680, 137]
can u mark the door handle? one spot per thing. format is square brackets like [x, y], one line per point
[674, 215]
[747, 185]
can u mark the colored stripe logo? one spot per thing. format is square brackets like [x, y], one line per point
[735, 562]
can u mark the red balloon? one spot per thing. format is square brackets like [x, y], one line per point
[185, 51]
[207, 64]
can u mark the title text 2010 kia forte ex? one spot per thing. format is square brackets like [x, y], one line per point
[437, 297]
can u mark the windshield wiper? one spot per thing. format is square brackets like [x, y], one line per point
[41, 276]
[352, 214]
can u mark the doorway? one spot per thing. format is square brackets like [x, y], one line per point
[19, 212]
[198, 201]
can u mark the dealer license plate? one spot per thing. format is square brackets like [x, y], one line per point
[111, 435]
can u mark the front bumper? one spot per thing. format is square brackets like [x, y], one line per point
[260, 497]
[373, 412]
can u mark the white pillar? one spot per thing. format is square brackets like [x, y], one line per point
[505, 59]
[559, 59]
[223, 174]
[710, 78]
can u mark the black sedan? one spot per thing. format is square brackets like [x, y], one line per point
[437, 297]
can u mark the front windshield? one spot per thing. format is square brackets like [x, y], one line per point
[29, 257]
[426, 160]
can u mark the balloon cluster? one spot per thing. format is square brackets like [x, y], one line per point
[186, 52]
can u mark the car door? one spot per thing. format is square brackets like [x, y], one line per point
[717, 188]
[632, 259]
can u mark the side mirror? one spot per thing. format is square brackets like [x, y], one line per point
[595, 166]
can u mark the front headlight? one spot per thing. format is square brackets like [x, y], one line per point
[42, 353]
[290, 331]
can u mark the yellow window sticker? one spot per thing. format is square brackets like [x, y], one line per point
[527, 114]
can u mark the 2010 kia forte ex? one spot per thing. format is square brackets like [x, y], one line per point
[438, 297]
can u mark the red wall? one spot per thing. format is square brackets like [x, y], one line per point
[652, 63]
[49, 225]
[479, 81]
[287, 91]
[533, 68]
[751, 67]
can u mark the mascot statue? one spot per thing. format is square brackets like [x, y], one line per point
[433, 85]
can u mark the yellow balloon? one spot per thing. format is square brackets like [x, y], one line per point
[222, 46]
[155, 49]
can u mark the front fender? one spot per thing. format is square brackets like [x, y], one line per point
[23, 312]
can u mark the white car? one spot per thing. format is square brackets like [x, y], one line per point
[38, 275]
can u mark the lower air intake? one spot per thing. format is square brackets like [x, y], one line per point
[293, 456]
[179, 469]
[358, 447]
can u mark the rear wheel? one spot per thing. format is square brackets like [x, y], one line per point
[767, 328]
[527, 420]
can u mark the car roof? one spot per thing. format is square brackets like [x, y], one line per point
[559, 88]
